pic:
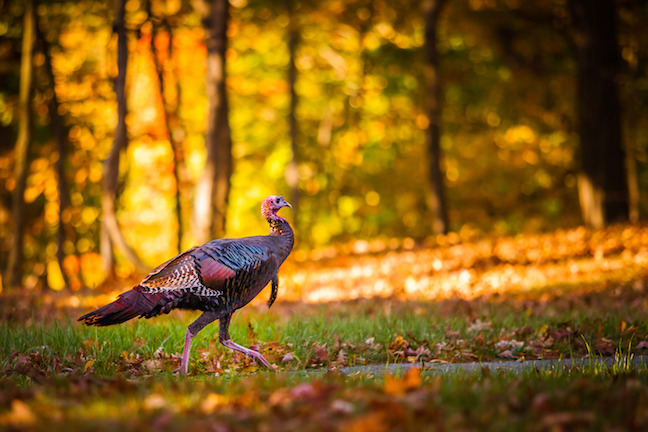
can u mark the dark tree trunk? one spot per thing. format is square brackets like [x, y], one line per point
[111, 234]
[436, 196]
[292, 173]
[23, 142]
[212, 190]
[58, 132]
[172, 124]
[632, 139]
[602, 183]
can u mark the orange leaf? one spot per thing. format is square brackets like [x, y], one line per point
[397, 386]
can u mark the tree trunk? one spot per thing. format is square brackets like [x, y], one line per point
[633, 177]
[212, 190]
[292, 173]
[632, 115]
[111, 234]
[23, 142]
[58, 132]
[172, 123]
[602, 182]
[436, 196]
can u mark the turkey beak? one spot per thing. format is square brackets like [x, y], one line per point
[285, 203]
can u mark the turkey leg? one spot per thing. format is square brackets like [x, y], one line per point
[275, 290]
[224, 338]
[192, 330]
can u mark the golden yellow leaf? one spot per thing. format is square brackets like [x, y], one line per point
[213, 401]
[543, 330]
[154, 401]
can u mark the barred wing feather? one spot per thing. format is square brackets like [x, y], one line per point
[215, 268]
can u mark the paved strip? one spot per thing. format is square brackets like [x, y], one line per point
[514, 367]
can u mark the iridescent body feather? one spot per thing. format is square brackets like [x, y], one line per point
[217, 278]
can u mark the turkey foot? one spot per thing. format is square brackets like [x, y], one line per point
[182, 370]
[248, 352]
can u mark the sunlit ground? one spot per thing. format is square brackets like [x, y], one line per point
[539, 266]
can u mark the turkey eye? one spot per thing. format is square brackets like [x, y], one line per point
[277, 200]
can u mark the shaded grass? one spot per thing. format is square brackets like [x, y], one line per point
[586, 399]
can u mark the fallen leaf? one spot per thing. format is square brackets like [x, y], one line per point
[340, 406]
[479, 326]
[303, 391]
[154, 401]
[213, 401]
[372, 422]
[507, 354]
[398, 386]
[321, 353]
[398, 343]
[509, 345]
[543, 330]
[20, 413]
[152, 365]
[279, 397]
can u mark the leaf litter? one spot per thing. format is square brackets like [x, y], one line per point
[576, 292]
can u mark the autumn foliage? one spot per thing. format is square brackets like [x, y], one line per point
[368, 284]
[509, 150]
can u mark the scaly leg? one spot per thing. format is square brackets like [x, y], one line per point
[224, 338]
[275, 289]
[192, 330]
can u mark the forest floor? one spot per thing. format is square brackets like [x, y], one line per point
[569, 297]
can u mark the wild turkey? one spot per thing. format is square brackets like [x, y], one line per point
[217, 278]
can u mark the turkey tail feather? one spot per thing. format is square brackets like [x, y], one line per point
[129, 305]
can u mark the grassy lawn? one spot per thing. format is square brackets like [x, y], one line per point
[571, 301]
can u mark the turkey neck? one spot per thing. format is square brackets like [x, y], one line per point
[281, 228]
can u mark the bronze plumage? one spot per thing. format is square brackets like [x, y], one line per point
[216, 278]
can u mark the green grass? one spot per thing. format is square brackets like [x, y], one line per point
[587, 399]
[532, 297]
[315, 335]
[57, 373]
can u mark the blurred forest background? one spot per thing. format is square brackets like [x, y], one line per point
[133, 129]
